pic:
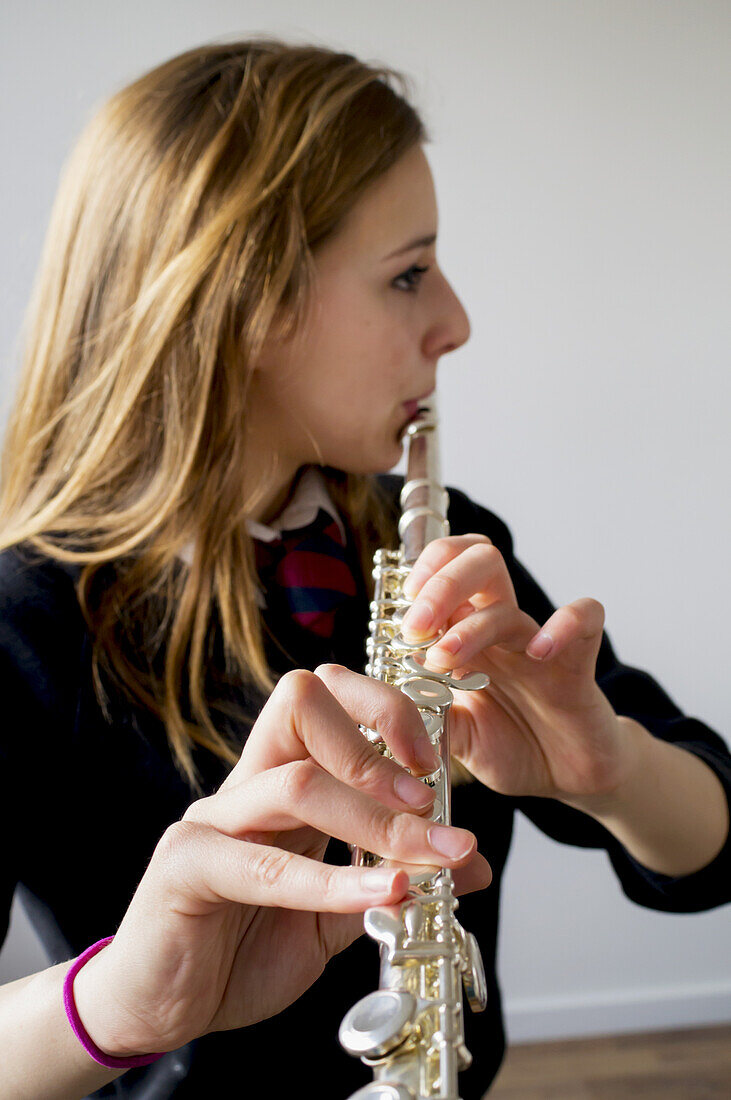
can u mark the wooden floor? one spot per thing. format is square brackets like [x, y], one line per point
[693, 1064]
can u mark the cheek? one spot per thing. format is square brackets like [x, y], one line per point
[383, 362]
[365, 338]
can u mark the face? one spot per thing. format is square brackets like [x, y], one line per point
[340, 391]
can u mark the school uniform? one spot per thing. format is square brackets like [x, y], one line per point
[85, 800]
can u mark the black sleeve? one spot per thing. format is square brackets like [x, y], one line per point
[40, 639]
[637, 695]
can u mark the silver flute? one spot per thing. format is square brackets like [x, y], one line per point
[410, 1030]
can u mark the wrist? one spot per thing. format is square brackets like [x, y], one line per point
[91, 1013]
[634, 756]
[670, 812]
[41, 1055]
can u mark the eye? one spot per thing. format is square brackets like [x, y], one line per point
[411, 278]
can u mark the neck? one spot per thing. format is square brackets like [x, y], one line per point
[273, 497]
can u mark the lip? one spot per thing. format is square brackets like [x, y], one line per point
[416, 400]
[413, 408]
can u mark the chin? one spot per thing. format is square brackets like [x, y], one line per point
[374, 459]
[391, 457]
[375, 465]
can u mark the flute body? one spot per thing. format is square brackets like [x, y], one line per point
[410, 1031]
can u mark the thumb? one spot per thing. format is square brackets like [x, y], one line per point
[574, 631]
[338, 931]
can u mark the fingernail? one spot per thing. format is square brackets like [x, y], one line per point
[412, 791]
[450, 644]
[450, 842]
[378, 882]
[426, 754]
[419, 618]
[412, 584]
[540, 646]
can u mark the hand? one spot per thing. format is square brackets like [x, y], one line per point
[237, 915]
[542, 727]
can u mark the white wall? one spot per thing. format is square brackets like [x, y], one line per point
[582, 159]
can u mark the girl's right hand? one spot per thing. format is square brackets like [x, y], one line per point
[237, 915]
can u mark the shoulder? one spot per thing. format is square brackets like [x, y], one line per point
[34, 587]
[465, 516]
[41, 623]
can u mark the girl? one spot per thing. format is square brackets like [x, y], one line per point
[238, 306]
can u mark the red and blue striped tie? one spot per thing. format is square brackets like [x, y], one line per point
[305, 573]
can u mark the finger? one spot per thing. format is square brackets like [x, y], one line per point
[467, 608]
[301, 793]
[392, 714]
[500, 624]
[338, 932]
[436, 554]
[478, 574]
[204, 868]
[475, 875]
[580, 621]
[303, 718]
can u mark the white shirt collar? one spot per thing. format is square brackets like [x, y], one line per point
[310, 495]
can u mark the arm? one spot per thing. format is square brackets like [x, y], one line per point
[671, 811]
[41, 1055]
[671, 814]
[652, 787]
[225, 899]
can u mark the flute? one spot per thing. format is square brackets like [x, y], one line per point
[410, 1030]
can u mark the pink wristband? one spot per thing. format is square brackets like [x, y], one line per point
[78, 1028]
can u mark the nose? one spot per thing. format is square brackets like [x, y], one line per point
[450, 325]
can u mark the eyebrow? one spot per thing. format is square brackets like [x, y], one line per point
[422, 242]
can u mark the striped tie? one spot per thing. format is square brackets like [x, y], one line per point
[306, 575]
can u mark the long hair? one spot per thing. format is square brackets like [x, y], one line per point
[186, 218]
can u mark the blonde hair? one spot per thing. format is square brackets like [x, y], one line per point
[187, 217]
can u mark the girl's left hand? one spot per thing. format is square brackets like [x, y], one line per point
[542, 727]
